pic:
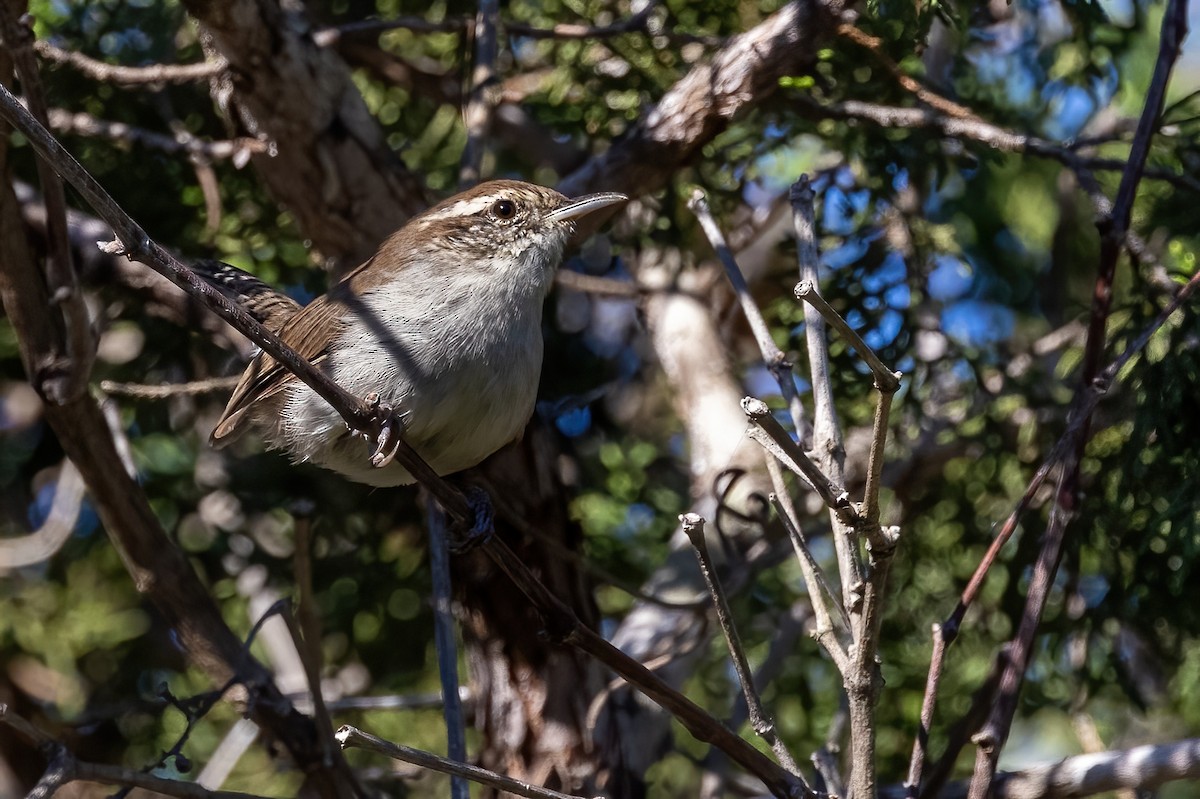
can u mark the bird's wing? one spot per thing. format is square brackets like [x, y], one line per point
[309, 332]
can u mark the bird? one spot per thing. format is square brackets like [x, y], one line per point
[442, 325]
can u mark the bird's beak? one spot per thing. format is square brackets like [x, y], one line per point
[573, 209]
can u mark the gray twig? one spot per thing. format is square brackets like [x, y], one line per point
[148, 76]
[238, 150]
[827, 431]
[146, 391]
[764, 726]
[777, 363]
[353, 737]
[769, 433]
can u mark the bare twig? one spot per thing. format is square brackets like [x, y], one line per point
[826, 760]
[193, 388]
[602, 286]
[149, 76]
[806, 291]
[81, 124]
[353, 737]
[907, 82]
[482, 98]
[994, 136]
[446, 644]
[776, 362]
[817, 588]
[766, 430]
[311, 663]
[764, 726]
[827, 433]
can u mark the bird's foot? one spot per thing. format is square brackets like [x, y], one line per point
[387, 431]
[482, 529]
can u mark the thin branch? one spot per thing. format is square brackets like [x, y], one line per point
[352, 737]
[776, 362]
[159, 391]
[827, 760]
[907, 82]
[886, 380]
[446, 644]
[991, 739]
[984, 132]
[770, 435]
[817, 587]
[599, 286]
[149, 76]
[483, 96]
[64, 768]
[308, 650]
[81, 124]
[764, 726]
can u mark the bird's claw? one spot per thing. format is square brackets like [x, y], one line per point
[388, 431]
[482, 529]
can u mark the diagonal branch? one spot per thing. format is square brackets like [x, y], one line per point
[119, 75]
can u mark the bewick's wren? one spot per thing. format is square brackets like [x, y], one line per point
[443, 324]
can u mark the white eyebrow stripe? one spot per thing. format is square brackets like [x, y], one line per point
[474, 205]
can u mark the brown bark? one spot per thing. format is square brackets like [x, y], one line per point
[533, 696]
[332, 167]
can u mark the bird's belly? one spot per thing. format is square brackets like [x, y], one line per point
[459, 402]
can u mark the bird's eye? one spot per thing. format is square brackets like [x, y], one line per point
[504, 209]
